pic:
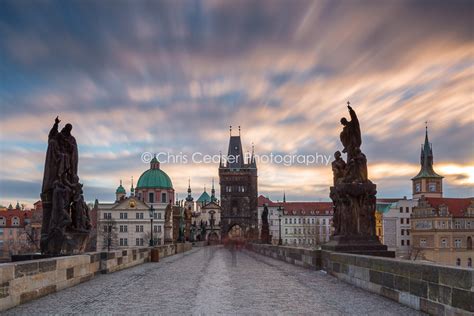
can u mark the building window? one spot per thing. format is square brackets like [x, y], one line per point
[403, 232]
[121, 242]
[457, 243]
[159, 215]
[403, 242]
[401, 220]
[159, 229]
[137, 242]
[163, 197]
[457, 224]
[422, 242]
[407, 209]
[286, 230]
[15, 221]
[123, 215]
[444, 243]
[151, 197]
[418, 187]
[286, 220]
[408, 221]
[139, 215]
[469, 262]
[408, 232]
[458, 261]
[432, 187]
[401, 209]
[3, 221]
[107, 215]
[155, 229]
[408, 242]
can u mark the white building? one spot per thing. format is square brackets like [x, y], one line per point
[127, 221]
[305, 224]
[396, 226]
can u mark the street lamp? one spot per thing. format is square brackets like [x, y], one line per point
[152, 214]
[280, 211]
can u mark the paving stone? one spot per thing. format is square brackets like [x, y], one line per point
[209, 281]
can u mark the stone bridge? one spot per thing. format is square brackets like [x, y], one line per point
[214, 280]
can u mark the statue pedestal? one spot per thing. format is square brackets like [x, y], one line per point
[75, 242]
[361, 245]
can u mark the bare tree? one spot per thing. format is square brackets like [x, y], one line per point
[108, 233]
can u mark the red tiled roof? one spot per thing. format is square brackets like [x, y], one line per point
[10, 214]
[299, 208]
[456, 206]
[308, 208]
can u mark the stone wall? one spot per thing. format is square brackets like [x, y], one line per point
[183, 247]
[431, 288]
[298, 256]
[24, 281]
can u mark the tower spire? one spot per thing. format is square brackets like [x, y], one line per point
[189, 198]
[239, 130]
[284, 197]
[132, 189]
[230, 130]
[213, 192]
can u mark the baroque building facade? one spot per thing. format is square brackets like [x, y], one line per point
[127, 222]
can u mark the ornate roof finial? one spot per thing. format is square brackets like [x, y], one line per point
[120, 181]
[230, 130]
[239, 130]
[131, 188]
[348, 103]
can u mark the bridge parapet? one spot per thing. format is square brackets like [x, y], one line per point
[431, 288]
[24, 281]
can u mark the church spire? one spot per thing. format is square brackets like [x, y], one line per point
[132, 189]
[284, 197]
[213, 192]
[189, 198]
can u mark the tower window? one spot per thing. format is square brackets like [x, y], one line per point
[163, 197]
[432, 187]
[151, 197]
[418, 187]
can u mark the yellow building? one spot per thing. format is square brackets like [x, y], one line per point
[443, 230]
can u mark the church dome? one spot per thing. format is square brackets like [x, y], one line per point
[154, 178]
[120, 189]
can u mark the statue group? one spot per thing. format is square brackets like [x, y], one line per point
[66, 223]
[353, 195]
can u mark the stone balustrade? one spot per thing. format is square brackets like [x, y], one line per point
[24, 281]
[431, 288]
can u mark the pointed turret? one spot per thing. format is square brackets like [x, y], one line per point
[284, 197]
[427, 182]
[120, 192]
[132, 189]
[213, 192]
[189, 198]
[17, 207]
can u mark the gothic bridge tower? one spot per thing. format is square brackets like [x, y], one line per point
[238, 184]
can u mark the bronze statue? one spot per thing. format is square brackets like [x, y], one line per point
[66, 222]
[353, 194]
[265, 234]
[338, 167]
[350, 135]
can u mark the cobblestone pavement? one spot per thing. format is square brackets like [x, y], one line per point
[209, 280]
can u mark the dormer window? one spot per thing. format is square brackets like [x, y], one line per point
[3, 221]
[432, 187]
[15, 221]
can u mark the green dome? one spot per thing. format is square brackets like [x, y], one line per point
[120, 189]
[154, 178]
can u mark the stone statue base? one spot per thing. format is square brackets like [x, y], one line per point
[361, 245]
[168, 234]
[75, 242]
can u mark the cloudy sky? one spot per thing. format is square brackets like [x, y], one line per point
[171, 76]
